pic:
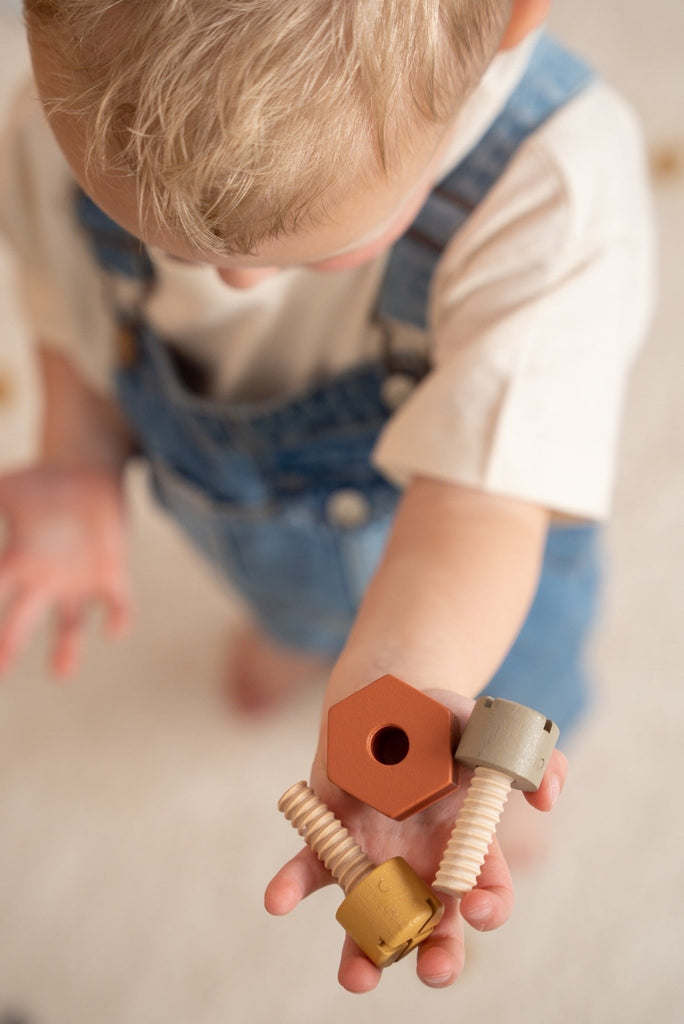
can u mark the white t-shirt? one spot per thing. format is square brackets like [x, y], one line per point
[536, 309]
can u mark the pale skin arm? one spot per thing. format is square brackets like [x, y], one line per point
[80, 427]
[64, 547]
[458, 576]
[451, 594]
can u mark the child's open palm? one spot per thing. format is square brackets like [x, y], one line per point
[421, 840]
[64, 550]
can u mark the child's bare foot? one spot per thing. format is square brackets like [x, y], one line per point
[263, 674]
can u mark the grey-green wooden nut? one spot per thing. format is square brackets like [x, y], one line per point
[510, 738]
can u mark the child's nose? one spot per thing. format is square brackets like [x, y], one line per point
[244, 277]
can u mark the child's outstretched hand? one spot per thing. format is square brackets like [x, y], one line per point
[64, 550]
[421, 840]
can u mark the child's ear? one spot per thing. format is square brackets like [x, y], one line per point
[526, 16]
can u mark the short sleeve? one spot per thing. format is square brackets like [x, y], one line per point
[538, 308]
[61, 289]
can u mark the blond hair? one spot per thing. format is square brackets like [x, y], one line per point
[241, 120]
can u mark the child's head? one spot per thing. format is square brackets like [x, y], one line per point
[230, 124]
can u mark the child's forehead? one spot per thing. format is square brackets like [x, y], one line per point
[362, 222]
[368, 217]
[329, 240]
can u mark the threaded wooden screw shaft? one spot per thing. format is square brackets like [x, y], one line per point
[326, 835]
[473, 832]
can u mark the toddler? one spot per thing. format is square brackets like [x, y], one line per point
[362, 282]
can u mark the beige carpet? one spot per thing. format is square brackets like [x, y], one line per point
[138, 823]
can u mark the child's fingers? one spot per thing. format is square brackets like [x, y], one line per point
[357, 974]
[442, 956]
[552, 783]
[69, 641]
[20, 618]
[9, 573]
[490, 903]
[296, 880]
[117, 609]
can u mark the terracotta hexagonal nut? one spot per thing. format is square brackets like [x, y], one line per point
[392, 747]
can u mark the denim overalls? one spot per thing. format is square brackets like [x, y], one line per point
[281, 496]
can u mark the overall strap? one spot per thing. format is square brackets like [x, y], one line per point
[122, 256]
[553, 77]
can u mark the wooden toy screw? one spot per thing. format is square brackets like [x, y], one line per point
[508, 745]
[388, 909]
[326, 835]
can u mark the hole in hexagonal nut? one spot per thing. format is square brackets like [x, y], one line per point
[390, 745]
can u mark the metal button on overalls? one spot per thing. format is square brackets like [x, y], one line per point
[347, 508]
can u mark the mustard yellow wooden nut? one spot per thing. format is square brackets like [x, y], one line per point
[388, 910]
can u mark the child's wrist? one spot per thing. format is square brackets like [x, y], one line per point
[356, 669]
[89, 459]
[99, 460]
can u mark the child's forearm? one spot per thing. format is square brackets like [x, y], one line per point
[79, 426]
[452, 591]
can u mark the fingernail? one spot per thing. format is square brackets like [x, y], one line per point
[554, 788]
[439, 980]
[479, 916]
